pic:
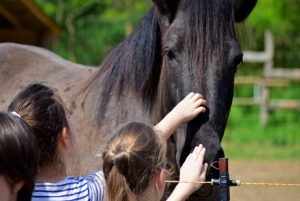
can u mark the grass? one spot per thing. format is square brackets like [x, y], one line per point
[245, 137]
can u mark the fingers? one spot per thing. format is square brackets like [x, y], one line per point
[191, 106]
[190, 95]
[200, 110]
[204, 169]
[203, 172]
[201, 154]
[197, 158]
[198, 153]
[196, 96]
[200, 102]
[193, 168]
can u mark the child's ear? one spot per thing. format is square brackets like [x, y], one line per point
[66, 142]
[160, 180]
[18, 186]
[64, 136]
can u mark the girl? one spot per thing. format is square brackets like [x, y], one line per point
[18, 159]
[45, 112]
[43, 109]
[134, 160]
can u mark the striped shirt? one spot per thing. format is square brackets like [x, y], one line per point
[90, 188]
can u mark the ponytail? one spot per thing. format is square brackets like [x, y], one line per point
[118, 187]
[132, 158]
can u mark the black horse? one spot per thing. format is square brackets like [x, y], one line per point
[179, 46]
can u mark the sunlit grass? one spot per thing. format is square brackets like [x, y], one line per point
[245, 137]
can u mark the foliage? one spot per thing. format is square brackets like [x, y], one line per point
[92, 27]
[281, 18]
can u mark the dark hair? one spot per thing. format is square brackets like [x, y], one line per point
[43, 110]
[18, 154]
[130, 161]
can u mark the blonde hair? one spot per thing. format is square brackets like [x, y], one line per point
[132, 158]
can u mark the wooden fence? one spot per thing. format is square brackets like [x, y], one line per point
[272, 77]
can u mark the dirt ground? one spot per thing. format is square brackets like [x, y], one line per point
[265, 171]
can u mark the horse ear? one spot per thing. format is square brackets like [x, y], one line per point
[167, 8]
[243, 8]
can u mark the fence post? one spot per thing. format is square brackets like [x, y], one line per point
[268, 66]
[264, 115]
[224, 179]
[269, 51]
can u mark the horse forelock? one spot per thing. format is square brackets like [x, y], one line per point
[207, 24]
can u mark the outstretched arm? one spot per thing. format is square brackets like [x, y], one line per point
[192, 105]
[192, 169]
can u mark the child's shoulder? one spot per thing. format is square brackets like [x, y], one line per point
[70, 187]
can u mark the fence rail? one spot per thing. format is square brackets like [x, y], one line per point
[272, 77]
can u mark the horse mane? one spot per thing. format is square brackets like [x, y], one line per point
[133, 66]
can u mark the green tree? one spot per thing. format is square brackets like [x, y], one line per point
[92, 27]
[282, 19]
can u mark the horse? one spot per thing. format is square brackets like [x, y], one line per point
[178, 47]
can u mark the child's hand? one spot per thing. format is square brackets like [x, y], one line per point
[192, 105]
[193, 169]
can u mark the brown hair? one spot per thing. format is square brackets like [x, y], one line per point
[131, 159]
[43, 110]
[18, 154]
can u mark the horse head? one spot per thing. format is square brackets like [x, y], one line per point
[201, 53]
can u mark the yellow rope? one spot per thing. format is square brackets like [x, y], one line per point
[267, 184]
[190, 182]
[242, 183]
[211, 182]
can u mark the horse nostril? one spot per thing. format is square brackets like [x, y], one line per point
[215, 165]
[221, 153]
[213, 173]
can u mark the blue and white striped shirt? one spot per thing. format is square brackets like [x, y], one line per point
[90, 188]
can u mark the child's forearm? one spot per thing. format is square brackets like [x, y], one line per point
[179, 194]
[168, 125]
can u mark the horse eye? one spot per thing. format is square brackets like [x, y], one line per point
[170, 55]
[238, 60]
[241, 62]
